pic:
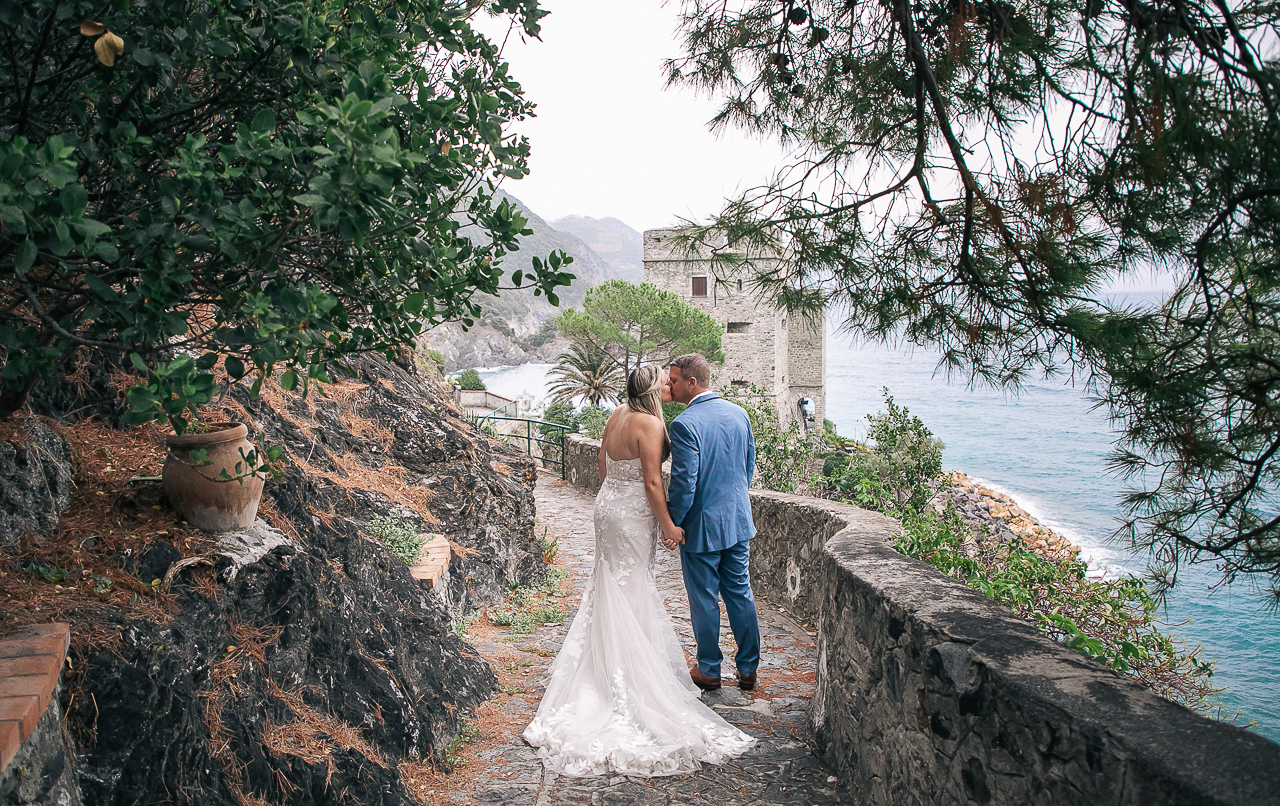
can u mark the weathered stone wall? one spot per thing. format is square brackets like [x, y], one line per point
[581, 465]
[930, 693]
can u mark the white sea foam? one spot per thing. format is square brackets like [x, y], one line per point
[1104, 559]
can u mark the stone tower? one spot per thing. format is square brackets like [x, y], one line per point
[782, 353]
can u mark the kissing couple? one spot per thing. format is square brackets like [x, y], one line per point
[619, 699]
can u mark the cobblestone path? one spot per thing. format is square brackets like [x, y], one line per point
[499, 768]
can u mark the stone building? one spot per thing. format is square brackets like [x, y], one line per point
[783, 353]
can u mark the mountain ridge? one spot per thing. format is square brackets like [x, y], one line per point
[514, 327]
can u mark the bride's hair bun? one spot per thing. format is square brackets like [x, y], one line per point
[644, 380]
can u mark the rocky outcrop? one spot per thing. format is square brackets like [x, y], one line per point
[296, 663]
[506, 333]
[994, 515]
[35, 481]
[485, 346]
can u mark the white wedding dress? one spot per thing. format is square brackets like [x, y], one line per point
[619, 700]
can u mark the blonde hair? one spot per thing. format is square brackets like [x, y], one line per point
[644, 393]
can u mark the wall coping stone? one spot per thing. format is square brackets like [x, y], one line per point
[31, 662]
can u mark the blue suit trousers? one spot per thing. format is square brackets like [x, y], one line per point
[725, 572]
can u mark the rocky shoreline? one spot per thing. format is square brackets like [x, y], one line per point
[998, 516]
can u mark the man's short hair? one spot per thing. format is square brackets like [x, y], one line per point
[694, 366]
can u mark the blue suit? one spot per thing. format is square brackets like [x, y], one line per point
[713, 456]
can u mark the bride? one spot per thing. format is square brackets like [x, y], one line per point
[619, 699]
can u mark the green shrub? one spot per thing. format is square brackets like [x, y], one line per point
[1112, 621]
[833, 463]
[563, 414]
[592, 420]
[672, 410]
[471, 381]
[893, 472]
[589, 420]
[400, 537]
[782, 454]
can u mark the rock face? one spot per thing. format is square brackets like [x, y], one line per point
[35, 482]
[621, 247]
[485, 346]
[304, 665]
[502, 334]
[993, 515]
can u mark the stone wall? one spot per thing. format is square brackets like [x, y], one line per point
[930, 693]
[581, 463]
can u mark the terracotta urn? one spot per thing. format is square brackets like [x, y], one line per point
[199, 492]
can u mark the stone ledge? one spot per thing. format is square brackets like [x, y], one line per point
[30, 668]
[433, 561]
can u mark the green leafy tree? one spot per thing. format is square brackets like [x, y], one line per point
[978, 174]
[894, 470]
[638, 323]
[469, 380]
[586, 372]
[276, 184]
[592, 420]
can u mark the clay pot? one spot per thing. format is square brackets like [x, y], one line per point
[205, 499]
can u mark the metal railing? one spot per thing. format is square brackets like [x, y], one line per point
[537, 438]
[511, 409]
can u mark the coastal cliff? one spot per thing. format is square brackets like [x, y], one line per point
[297, 662]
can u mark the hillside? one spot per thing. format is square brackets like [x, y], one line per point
[617, 244]
[297, 661]
[514, 327]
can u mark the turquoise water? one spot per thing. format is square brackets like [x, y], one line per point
[1046, 448]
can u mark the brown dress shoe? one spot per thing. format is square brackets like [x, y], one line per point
[702, 681]
[746, 682]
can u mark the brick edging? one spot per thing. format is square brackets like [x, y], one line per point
[30, 667]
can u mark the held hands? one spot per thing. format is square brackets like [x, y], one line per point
[672, 536]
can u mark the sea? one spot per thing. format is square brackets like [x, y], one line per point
[1045, 447]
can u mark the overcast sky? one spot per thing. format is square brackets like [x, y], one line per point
[608, 139]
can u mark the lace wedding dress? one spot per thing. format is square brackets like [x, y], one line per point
[619, 699]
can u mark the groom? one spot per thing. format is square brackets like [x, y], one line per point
[713, 458]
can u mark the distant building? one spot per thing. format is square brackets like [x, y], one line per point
[787, 355]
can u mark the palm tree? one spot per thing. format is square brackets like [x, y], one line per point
[586, 371]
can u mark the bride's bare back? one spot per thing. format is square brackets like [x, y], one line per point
[629, 435]
[626, 431]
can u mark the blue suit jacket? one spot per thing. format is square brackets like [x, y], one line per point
[713, 458]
